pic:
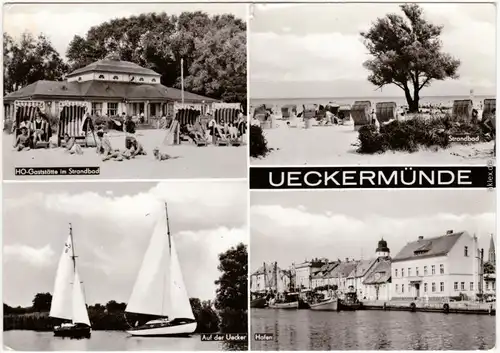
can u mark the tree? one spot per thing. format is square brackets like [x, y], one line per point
[488, 268]
[42, 302]
[213, 50]
[231, 299]
[29, 60]
[407, 53]
[112, 306]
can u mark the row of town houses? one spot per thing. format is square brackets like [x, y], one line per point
[437, 268]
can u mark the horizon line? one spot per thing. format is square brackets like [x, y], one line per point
[361, 96]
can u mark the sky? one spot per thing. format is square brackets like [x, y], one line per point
[291, 227]
[112, 229]
[315, 50]
[61, 22]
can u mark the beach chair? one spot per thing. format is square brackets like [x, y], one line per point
[287, 110]
[488, 106]
[74, 120]
[227, 112]
[183, 114]
[344, 114]
[26, 111]
[361, 114]
[462, 110]
[385, 111]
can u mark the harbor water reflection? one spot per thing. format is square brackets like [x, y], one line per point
[371, 330]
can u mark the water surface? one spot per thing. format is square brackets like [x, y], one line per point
[371, 330]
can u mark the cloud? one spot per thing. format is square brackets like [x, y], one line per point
[294, 47]
[112, 231]
[34, 256]
[299, 233]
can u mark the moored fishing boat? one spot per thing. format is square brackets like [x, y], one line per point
[330, 304]
[288, 305]
[68, 301]
[258, 303]
[159, 291]
[350, 302]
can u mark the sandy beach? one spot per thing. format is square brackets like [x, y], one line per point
[333, 145]
[191, 162]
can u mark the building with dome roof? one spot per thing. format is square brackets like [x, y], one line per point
[112, 87]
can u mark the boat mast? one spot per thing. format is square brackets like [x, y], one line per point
[73, 256]
[169, 252]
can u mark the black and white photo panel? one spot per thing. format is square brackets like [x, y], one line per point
[373, 270]
[130, 266]
[372, 83]
[127, 91]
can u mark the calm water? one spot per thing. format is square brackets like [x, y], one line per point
[371, 330]
[105, 341]
[400, 100]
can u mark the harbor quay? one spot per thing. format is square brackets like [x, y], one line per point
[447, 307]
[448, 274]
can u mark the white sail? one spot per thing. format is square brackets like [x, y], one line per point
[181, 307]
[61, 306]
[159, 288]
[80, 314]
[149, 295]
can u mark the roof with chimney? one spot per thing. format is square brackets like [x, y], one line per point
[114, 66]
[362, 268]
[381, 272]
[428, 247]
[343, 269]
[325, 269]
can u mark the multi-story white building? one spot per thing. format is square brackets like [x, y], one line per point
[320, 277]
[437, 268]
[304, 272]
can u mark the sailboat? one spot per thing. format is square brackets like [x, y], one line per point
[159, 290]
[68, 301]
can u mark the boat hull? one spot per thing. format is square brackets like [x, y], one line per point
[258, 303]
[73, 332]
[329, 305]
[162, 330]
[291, 305]
[348, 306]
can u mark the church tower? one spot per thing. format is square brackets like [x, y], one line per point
[491, 252]
[382, 249]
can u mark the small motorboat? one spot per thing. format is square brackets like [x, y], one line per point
[258, 303]
[350, 302]
[77, 330]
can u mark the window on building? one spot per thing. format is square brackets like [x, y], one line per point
[153, 80]
[466, 251]
[402, 272]
[487, 285]
[416, 271]
[402, 288]
[472, 286]
[141, 80]
[441, 269]
[96, 108]
[152, 109]
[409, 271]
[493, 285]
[112, 109]
[395, 272]
[425, 270]
[441, 287]
[462, 285]
[433, 270]
[101, 76]
[397, 288]
[79, 78]
[115, 77]
[455, 286]
[433, 287]
[425, 287]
